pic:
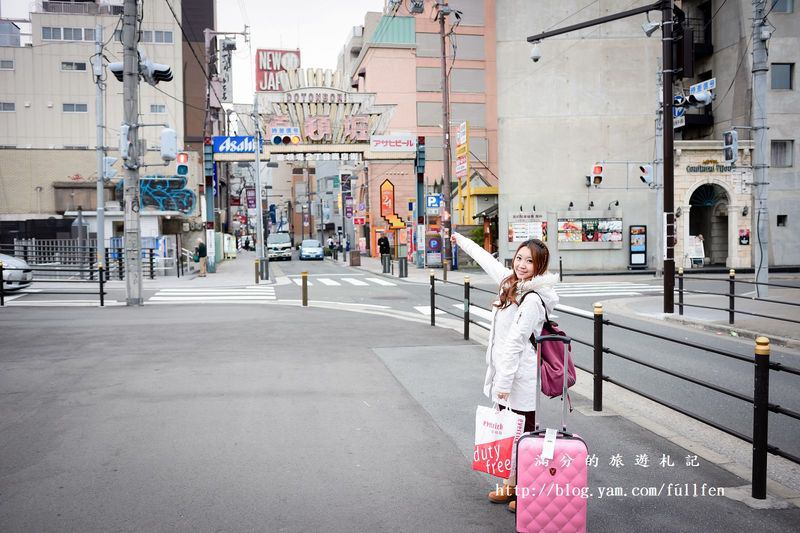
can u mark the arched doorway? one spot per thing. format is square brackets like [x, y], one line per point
[709, 218]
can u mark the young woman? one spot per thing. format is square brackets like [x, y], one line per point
[510, 357]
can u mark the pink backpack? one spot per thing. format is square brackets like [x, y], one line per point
[552, 367]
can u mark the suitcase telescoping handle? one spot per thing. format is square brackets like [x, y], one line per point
[566, 340]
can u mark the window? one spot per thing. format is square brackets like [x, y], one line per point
[73, 65]
[75, 147]
[75, 108]
[73, 34]
[782, 221]
[51, 34]
[782, 75]
[146, 37]
[88, 34]
[782, 6]
[158, 108]
[163, 36]
[782, 154]
[6, 64]
[8, 107]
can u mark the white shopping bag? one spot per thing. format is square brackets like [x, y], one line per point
[496, 433]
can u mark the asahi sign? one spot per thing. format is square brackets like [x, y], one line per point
[269, 66]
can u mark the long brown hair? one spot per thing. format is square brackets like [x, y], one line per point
[540, 256]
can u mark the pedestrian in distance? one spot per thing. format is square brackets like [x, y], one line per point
[330, 244]
[247, 243]
[384, 246]
[202, 254]
[511, 358]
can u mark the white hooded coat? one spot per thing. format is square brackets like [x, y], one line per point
[510, 357]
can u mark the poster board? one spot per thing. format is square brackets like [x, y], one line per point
[637, 248]
[583, 232]
[526, 226]
[695, 250]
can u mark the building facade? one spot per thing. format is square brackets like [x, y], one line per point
[48, 124]
[594, 97]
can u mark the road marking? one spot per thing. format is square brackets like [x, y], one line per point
[199, 292]
[383, 282]
[353, 281]
[64, 303]
[583, 294]
[209, 298]
[476, 312]
[426, 310]
[328, 281]
[299, 282]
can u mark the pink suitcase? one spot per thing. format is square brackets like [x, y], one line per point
[552, 493]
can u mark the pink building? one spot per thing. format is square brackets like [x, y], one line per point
[397, 56]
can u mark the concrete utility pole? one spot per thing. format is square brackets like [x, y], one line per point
[97, 65]
[445, 10]
[130, 92]
[760, 67]
[263, 269]
[658, 175]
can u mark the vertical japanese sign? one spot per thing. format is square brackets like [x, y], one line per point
[387, 199]
[462, 150]
[250, 194]
[269, 66]
[225, 61]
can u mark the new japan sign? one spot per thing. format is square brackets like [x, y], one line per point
[269, 66]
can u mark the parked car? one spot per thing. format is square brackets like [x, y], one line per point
[311, 249]
[279, 246]
[15, 279]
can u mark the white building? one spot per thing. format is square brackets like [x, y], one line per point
[47, 102]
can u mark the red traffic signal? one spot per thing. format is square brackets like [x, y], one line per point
[182, 157]
[597, 174]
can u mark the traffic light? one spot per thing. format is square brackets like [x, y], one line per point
[597, 174]
[169, 144]
[646, 174]
[208, 160]
[108, 167]
[116, 69]
[286, 136]
[420, 160]
[182, 168]
[730, 146]
[154, 72]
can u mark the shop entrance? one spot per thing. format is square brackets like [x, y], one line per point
[709, 218]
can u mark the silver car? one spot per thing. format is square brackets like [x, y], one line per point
[17, 274]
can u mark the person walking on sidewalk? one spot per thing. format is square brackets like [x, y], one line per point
[511, 374]
[384, 246]
[203, 255]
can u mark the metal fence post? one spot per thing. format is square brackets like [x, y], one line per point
[92, 253]
[2, 286]
[597, 397]
[560, 269]
[107, 263]
[120, 267]
[257, 270]
[731, 298]
[466, 308]
[151, 258]
[680, 291]
[445, 264]
[102, 281]
[760, 418]
[433, 299]
[304, 276]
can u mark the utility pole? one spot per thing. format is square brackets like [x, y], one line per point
[263, 270]
[760, 67]
[130, 92]
[97, 65]
[668, 156]
[445, 10]
[658, 177]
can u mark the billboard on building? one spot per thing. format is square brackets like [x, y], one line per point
[269, 66]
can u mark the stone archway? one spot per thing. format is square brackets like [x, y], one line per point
[708, 217]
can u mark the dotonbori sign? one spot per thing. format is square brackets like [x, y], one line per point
[270, 65]
[234, 145]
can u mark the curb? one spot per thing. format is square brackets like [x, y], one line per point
[786, 342]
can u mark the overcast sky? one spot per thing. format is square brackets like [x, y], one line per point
[319, 28]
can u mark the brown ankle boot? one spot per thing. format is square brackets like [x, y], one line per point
[504, 494]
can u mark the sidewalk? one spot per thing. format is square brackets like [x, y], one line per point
[422, 275]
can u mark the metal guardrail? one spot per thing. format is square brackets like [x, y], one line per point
[97, 271]
[732, 296]
[760, 361]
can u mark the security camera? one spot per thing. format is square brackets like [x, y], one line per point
[536, 54]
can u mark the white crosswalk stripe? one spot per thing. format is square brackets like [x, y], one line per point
[329, 282]
[299, 282]
[252, 294]
[618, 288]
[354, 281]
[383, 282]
